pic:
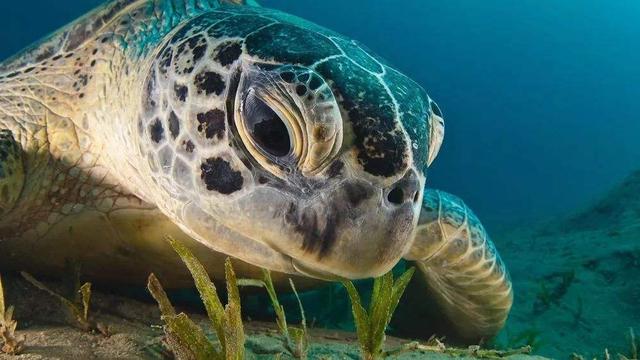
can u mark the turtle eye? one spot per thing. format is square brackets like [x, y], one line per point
[265, 127]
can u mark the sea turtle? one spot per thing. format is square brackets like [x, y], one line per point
[257, 134]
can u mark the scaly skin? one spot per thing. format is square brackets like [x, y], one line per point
[138, 120]
[61, 107]
[461, 267]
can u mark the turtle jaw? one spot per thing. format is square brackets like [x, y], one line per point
[349, 230]
[364, 251]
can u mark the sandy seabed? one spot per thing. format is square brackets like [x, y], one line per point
[136, 331]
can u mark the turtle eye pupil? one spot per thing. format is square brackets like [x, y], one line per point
[266, 128]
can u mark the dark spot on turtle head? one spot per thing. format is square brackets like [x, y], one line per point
[150, 101]
[316, 237]
[301, 90]
[356, 193]
[181, 92]
[228, 53]
[335, 169]
[156, 130]
[174, 125]
[383, 154]
[84, 79]
[189, 146]
[198, 52]
[180, 50]
[212, 123]
[219, 176]
[315, 82]
[209, 82]
[196, 46]
[303, 77]
[165, 60]
[287, 76]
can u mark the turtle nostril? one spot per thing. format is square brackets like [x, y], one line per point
[396, 196]
[406, 190]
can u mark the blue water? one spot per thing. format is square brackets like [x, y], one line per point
[541, 98]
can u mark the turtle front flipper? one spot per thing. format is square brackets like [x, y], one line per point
[460, 268]
[11, 171]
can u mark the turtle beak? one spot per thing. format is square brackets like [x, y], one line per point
[357, 231]
[305, 270]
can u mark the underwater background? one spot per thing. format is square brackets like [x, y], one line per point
[541, 101]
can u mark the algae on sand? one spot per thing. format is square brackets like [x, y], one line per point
[137, 336]
[79, 312]
[371, 324]
[186, 339]
[295, 340]
[9, 342]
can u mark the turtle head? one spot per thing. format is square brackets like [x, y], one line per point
[291, 136]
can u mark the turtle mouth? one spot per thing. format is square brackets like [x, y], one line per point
[309, 271]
